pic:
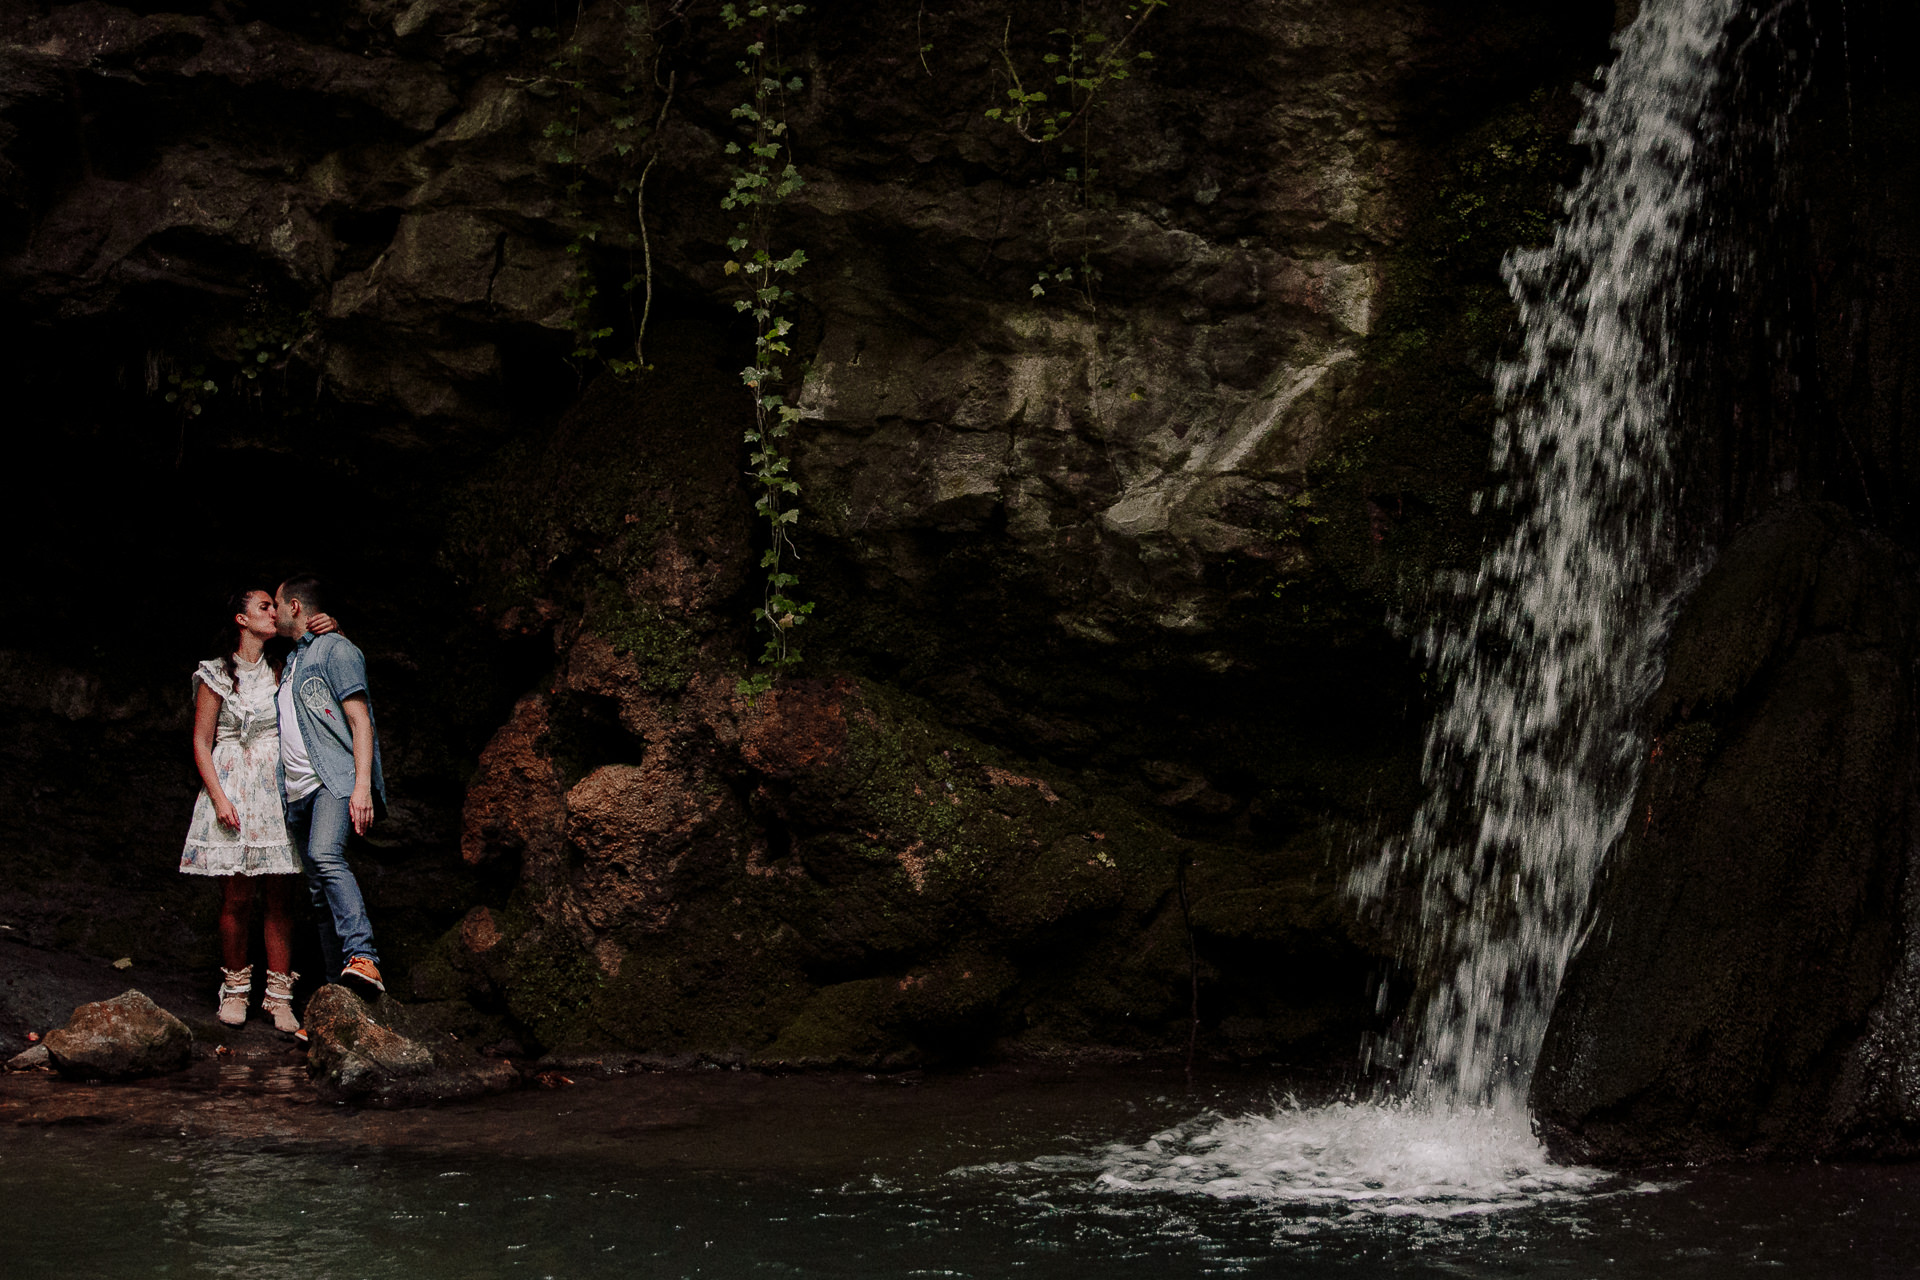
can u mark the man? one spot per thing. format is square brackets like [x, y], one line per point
[330, 760]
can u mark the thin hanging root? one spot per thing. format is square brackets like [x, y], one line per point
[646, 246]
[646, 259]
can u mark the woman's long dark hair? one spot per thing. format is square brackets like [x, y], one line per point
[227, 644]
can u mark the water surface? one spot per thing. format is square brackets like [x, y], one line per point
[987, 1174]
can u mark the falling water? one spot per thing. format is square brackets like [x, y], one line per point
[1531, 765]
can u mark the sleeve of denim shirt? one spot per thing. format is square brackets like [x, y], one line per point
[346, 669]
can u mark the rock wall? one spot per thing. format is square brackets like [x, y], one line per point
[1746, 988]
[1736, 995]
[1100, 684]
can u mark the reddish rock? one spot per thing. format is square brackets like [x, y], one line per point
[632, 825]
[478, 933]
[514, 803]
[795, 728]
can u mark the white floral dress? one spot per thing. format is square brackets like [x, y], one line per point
[246, 759]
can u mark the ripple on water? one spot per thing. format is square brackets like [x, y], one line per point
[1378, 1161]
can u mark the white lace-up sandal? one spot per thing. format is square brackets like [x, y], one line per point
[279, 1001]
[236, 988]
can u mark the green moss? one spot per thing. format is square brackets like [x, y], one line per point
[436, 974]
[663, 647]
[546, 982]
[843, 1025]
[550, 995]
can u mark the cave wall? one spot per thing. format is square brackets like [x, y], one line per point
[1101, 682]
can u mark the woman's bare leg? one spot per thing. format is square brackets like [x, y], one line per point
[236, 915]
[278, 891]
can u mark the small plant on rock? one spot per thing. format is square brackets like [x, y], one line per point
[1057, 105]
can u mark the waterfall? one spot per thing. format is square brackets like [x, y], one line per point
[1532, 762]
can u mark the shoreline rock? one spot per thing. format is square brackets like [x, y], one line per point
[123, 1038]
[372, 1054]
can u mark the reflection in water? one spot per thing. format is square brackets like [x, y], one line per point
[247, 1076]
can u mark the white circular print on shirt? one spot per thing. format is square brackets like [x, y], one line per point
[314, 692]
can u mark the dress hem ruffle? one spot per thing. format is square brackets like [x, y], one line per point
[224, 846]
[240, 860]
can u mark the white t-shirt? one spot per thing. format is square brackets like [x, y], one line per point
[301, 779]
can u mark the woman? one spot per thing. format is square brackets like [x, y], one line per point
[239, 829]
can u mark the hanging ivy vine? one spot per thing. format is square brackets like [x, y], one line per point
[764, 175]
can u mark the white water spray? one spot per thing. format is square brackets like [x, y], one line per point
[1531, 766]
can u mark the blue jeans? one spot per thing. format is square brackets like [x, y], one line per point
[319, 823]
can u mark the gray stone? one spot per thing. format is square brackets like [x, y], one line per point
[119, 1039]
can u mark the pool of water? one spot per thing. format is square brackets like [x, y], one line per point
[994, 1174]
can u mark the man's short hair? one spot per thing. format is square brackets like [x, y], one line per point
[304, 587]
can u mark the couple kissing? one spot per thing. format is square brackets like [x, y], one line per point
[289, 763]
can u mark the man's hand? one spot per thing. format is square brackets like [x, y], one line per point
[321, 623]
[360, 809]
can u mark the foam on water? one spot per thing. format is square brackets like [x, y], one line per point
[1381, 1160]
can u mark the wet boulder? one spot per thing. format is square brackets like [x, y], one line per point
[373, 1054]
[119, 1039]
[32, 1058]
[1741, 989]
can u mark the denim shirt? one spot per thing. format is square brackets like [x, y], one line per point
[325, 670]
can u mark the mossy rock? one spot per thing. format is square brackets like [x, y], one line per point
[899, 891]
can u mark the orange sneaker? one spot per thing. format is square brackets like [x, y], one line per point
[363, 973]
